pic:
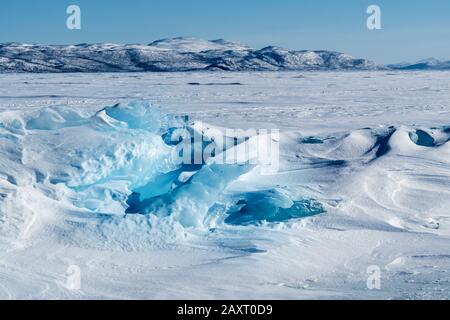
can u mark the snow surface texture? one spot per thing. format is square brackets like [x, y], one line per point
[364, 180]
[178, 54]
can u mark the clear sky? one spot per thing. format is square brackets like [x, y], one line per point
[412, 29]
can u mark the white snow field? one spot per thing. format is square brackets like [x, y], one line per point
[89, 182]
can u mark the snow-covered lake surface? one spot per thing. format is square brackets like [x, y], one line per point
[363, 183]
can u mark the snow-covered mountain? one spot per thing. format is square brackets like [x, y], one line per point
[426, 64]
[178, 54]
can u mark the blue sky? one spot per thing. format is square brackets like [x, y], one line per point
[411, 29]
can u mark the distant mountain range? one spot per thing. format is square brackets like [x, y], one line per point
[427, 64]
[178, 54]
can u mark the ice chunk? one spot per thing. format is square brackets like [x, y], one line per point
[136, 115]
[53, 118]
[12, 122]
[422, 138]
[272, 206]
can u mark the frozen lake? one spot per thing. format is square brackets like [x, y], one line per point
[287, 99]
[370, 148]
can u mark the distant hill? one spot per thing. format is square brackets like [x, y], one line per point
[427, 64]
[178, 54]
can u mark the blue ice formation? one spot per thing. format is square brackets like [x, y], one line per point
[129, 159]
[271, 206]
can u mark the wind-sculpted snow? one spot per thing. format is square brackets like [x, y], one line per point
[125, 160]
[179, 54]
[129, 159]
[132, 196]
